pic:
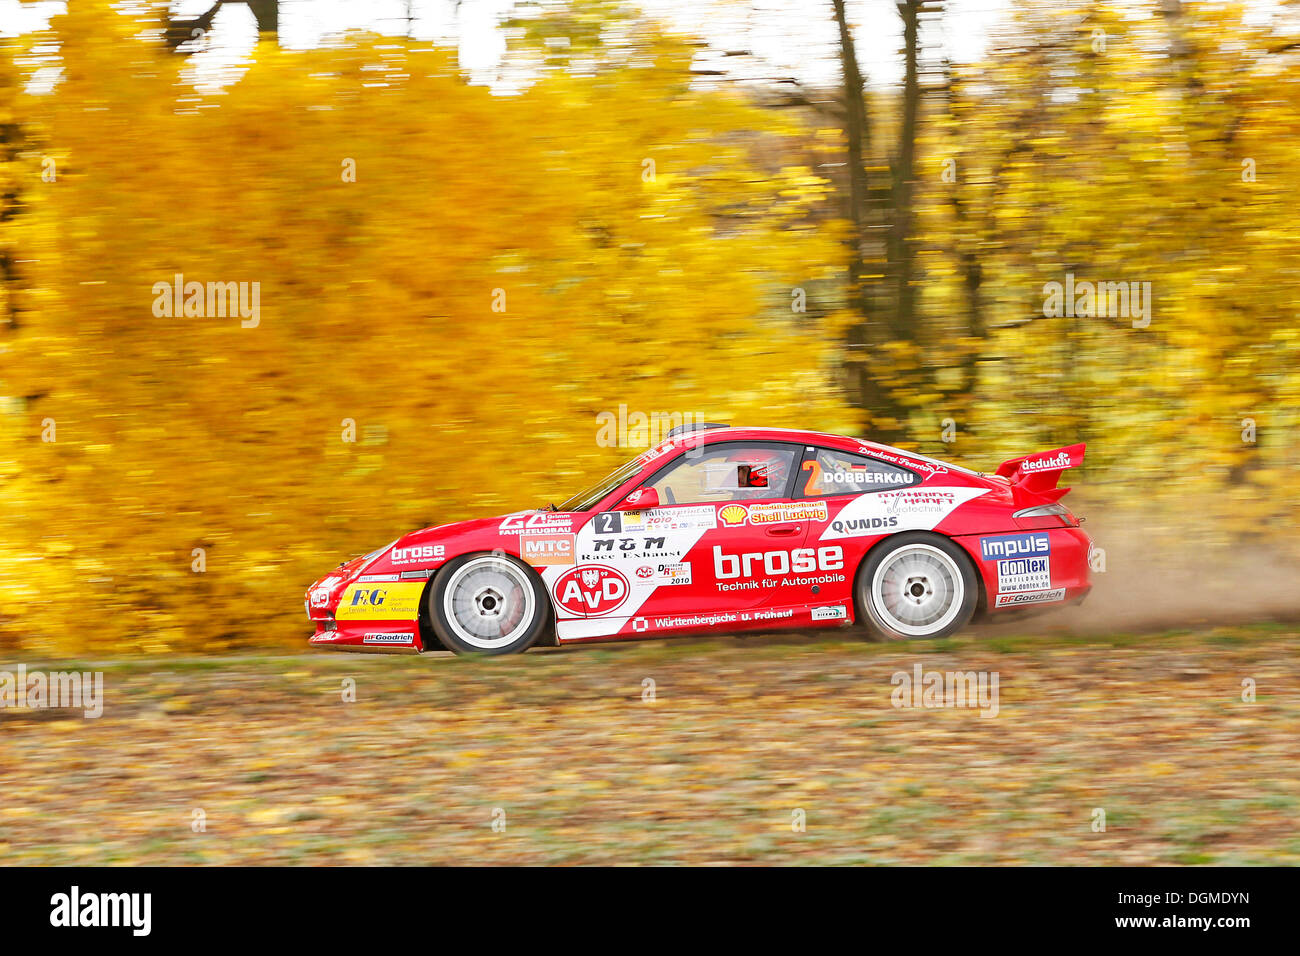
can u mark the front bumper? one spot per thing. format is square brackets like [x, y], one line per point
[368, 635]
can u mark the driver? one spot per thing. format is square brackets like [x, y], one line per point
[759, 474]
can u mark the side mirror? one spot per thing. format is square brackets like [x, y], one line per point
[641, 498]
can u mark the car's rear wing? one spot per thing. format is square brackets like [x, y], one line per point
[1038, 473]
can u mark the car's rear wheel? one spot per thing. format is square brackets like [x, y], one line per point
[488, 604]
[917, 585]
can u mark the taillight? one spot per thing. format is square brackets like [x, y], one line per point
[1045, 516]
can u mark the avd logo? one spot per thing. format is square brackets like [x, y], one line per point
[591, 590]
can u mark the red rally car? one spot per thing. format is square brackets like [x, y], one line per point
[726, 529]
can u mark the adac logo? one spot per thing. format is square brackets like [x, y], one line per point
[591, 590]
[733, 515]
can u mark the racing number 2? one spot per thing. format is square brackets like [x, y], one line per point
[814, 469]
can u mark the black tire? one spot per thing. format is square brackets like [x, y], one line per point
[488, 603]
[925, 576]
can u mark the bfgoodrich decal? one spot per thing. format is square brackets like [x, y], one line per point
[386, 637]
[1035, 597]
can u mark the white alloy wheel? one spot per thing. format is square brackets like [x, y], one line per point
[489, 602]
[918, 588]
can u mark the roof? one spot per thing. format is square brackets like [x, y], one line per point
[802, 436]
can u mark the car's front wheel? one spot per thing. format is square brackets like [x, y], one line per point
[917, 585]
[488, 604]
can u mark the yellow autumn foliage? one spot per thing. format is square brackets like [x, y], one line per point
[452, 286]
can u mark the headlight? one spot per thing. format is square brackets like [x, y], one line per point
[320, 595]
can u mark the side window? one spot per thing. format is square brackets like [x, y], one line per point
[831, 472]
[734, 471]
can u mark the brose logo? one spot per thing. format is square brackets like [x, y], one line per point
[418, 552]
[776, 563]
[591, 590]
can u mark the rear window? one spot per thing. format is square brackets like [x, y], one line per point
[831, 472]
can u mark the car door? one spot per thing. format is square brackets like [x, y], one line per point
[854, 494]
[736, 497]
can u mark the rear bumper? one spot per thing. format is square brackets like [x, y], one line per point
[1031, 570]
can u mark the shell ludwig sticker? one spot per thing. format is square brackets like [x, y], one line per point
[591, 590]
[773, 512]
[884, 512]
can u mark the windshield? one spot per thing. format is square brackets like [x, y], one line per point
[588, 497]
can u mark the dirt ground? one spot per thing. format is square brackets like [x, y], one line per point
[774, 750]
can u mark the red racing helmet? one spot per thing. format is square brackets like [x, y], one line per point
[759, 468]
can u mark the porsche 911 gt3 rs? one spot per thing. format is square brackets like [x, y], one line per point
[727, 529]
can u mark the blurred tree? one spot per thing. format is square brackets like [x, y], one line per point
[461, 290]
[883, 345]
[1099, 147]
[266, 13]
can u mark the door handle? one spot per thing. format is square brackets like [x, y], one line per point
[782, 531]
